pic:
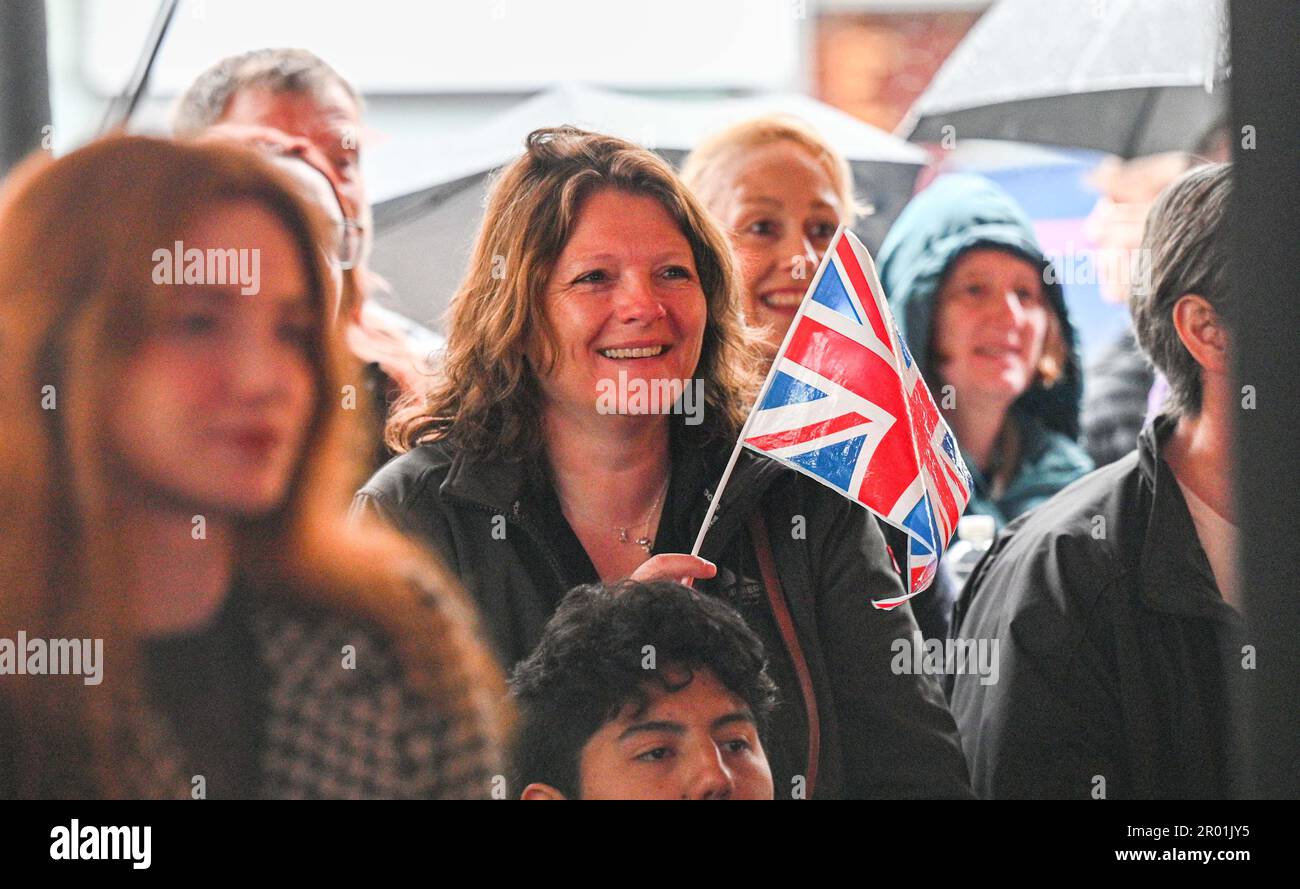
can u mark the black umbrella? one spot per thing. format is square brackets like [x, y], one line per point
[1128, 77]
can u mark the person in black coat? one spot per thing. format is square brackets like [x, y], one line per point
[1114, 605]
[547, 455]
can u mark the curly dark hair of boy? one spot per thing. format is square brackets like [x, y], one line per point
[591, 664]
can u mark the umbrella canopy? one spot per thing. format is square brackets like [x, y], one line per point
[1128, 77]
[423, 238]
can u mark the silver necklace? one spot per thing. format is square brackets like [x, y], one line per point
[644, 541]
[624, 533]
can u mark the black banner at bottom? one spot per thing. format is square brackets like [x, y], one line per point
[136, 839]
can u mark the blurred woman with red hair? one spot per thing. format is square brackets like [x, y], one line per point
[173, 478]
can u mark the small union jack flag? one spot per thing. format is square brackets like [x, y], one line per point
[845, 404]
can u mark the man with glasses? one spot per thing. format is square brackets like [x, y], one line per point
[293, 104]
[290, 90]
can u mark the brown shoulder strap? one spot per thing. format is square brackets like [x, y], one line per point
[781, 611]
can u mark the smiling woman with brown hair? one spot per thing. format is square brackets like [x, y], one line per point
[595, 266]
[173, 482]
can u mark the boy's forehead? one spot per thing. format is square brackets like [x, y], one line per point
[680, 694]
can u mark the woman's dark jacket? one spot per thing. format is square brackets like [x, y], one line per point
[1118, 656]
[500, 529]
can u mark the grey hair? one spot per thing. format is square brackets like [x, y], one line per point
[278, 70]
[1184, 250]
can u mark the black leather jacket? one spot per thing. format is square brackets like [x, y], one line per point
[882, 735]
[1120, 664]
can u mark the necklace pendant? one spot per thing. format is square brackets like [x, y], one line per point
[622, 535]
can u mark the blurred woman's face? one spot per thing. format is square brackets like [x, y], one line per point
[781, 210]
[990, 326]
[215, 405]
[624, 297]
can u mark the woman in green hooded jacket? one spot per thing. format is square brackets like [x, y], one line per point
[982, 309]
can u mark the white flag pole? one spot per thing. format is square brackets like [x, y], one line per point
[726, 474]
[762, 393]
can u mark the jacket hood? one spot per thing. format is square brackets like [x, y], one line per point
[955, 214]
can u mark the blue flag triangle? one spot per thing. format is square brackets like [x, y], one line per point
[830, 292]
[785, 389]
[833, 463]
[918, 521]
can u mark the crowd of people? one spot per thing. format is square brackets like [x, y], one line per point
[198, 384]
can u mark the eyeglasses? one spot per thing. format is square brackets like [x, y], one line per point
[346, 253]
[344, 245]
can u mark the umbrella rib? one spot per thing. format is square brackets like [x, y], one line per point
[1139, 126]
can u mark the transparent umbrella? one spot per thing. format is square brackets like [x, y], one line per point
[423, 237]
[1128, 77]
